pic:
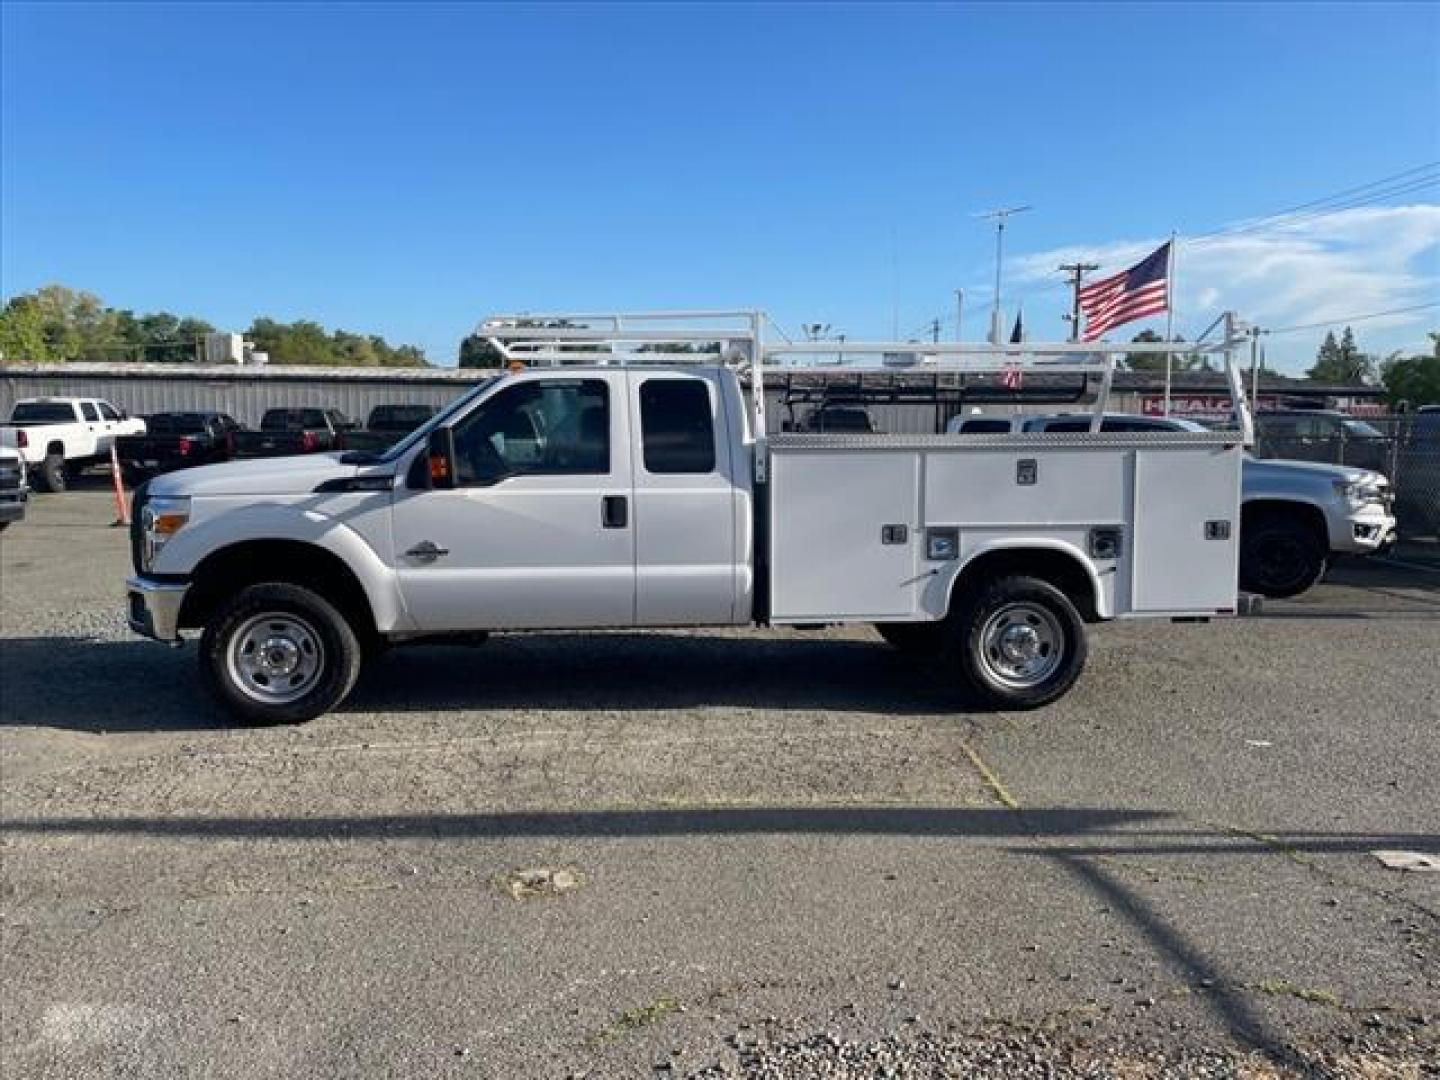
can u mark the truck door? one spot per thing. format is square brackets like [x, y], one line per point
[685, 501]
[110, 420]
[538, 531]
[95, 442]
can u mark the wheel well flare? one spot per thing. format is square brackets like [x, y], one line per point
[1062, 570]
[225, 572]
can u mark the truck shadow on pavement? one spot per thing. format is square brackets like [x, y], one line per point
[649, 671]
[82, 684]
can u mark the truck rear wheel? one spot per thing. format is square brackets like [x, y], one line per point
[51, 476]
[279, 654]
[1016, 643]
[1280, 555]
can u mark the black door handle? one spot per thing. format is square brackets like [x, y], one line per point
[614, 511]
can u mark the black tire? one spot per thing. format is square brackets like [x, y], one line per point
[51, 474]
[334, 653]
[913, 639]
[1015, 643]
[1280, 555]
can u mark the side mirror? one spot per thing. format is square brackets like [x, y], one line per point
[440, 455]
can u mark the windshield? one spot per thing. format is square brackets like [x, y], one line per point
[399, 418]
[292, 419]
[174, 423]
[1359, 427]
[43, 412]
[422, 433]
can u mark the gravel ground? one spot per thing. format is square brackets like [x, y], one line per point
[719, 854]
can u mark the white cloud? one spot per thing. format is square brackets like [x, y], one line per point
[1345, 264]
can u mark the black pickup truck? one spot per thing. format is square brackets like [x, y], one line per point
[177, 440]
[387, 425]
[294, 431]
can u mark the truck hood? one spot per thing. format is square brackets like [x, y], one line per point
[261, 476]
[1281, 469]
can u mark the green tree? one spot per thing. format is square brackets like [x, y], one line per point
[1414, 380]
[22, 332]
[1342, 363]
[1156, 361]
[477, 352]
[59, 323]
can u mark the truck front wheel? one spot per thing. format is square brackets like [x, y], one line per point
[1280, 555]
[1016, 643]
[279, 654]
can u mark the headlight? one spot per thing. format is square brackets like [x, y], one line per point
[1360, 492]
[160, 520]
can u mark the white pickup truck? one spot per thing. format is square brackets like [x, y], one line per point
[642, 490]
[58, 436]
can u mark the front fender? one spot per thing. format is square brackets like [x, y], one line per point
[355, 527]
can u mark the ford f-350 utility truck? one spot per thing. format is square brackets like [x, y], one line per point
[604, 482]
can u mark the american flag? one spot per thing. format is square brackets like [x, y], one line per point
[1132, 294]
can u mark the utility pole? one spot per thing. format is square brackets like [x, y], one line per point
[1077, 272]
[959, 314]
[1257, 360]
[935, 330]
[999, 217]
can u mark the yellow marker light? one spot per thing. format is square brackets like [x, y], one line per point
[168, 523]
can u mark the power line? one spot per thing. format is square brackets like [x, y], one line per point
[1349, 198]
[1351, 319]
[1346, 191]
[1315, 215]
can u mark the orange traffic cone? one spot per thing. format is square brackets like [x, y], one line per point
[122, 504]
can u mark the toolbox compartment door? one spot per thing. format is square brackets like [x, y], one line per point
[835, 552]
[1187, 530]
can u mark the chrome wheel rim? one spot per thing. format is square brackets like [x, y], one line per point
[1021, 646]
[275, 658]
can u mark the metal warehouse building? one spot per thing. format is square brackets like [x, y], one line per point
[907, 402]
[243, 392]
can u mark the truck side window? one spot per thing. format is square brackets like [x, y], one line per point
[91, 413]
[536, 428]
[676, 425]
[108, 411]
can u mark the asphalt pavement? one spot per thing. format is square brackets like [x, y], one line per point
[719, 853]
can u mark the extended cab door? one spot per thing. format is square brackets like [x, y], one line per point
[685, 500]
[94, 441]
[538, 531]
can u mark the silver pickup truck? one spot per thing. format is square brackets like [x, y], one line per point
[1295, 515]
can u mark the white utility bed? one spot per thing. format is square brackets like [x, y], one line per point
[836, 501]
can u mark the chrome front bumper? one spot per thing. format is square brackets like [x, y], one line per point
[152, 608]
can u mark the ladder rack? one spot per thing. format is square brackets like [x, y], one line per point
[735, 339]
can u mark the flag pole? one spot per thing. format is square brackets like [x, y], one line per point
[1169, 316]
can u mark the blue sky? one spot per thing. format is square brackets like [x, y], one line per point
[407, 170]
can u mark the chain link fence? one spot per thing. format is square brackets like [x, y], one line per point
[1405, 448]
